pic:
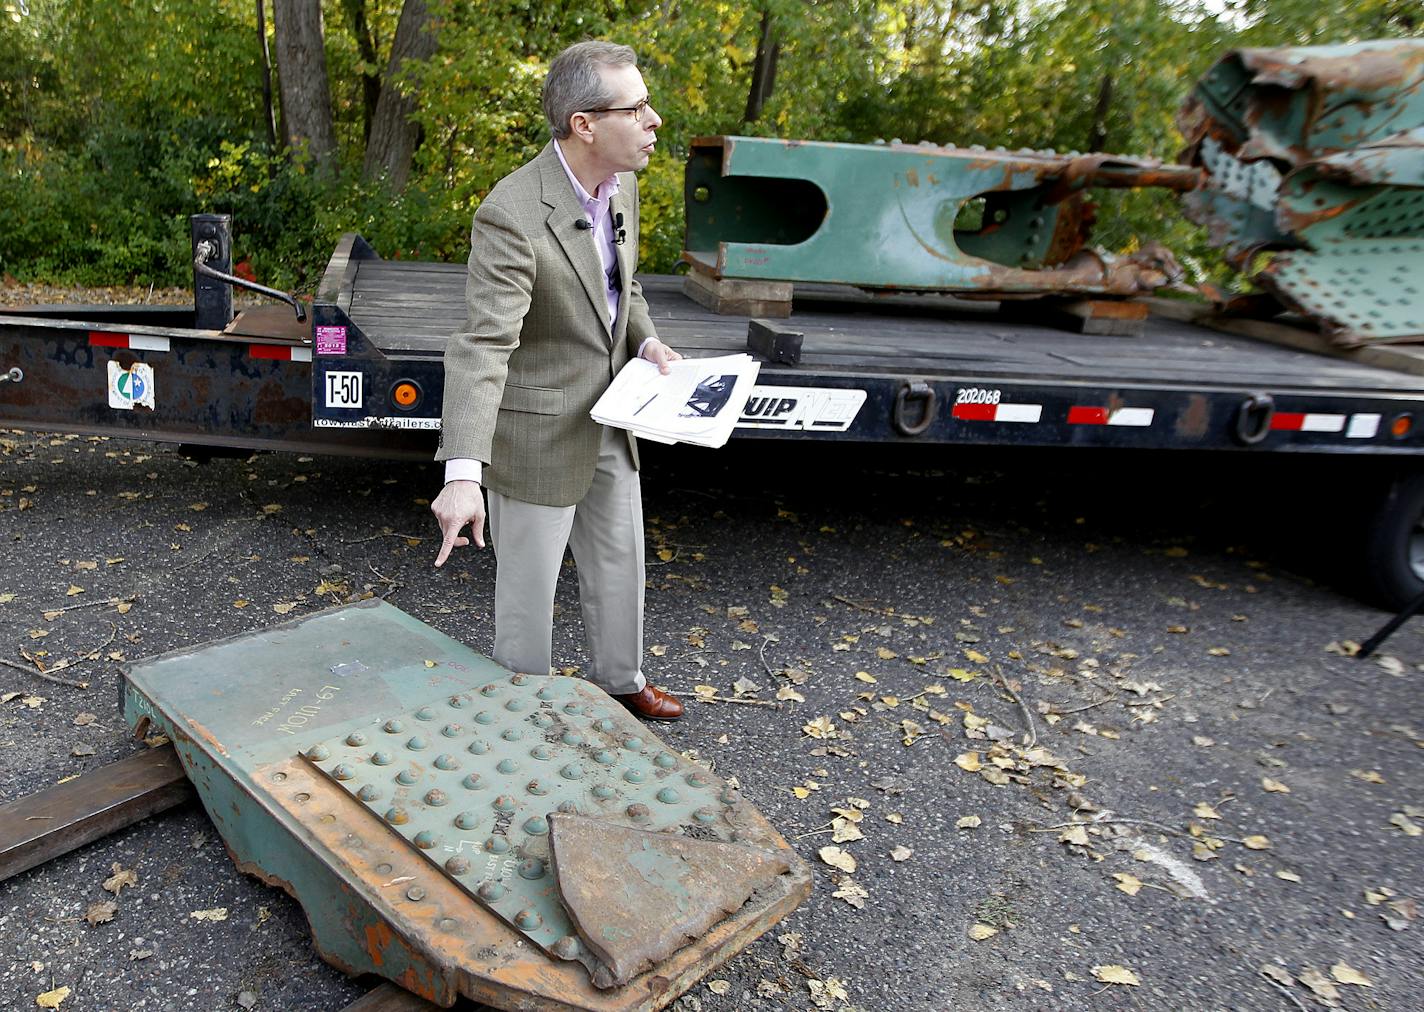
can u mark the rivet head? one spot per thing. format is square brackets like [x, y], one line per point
[634, 776]
[665, 760]
[568, 947]
[528, 919]
[368, 792]
[638, 812]
[728, 796]
[519, 679]
[512, 734]
[457, 865]
[445, 761]
[572, 771]
[425, 713]
[451, 730]
[633, 743]
[705, 815]
[343, 771]
[458, 702]
[467, 820]
[381, 758]
[531, 868]
[393, 726]
[356, 738]
[571, 738]
[484, 717]
[472, 782]
[605, 756]
[542, 720]
[302, 798]
[477, 747]
[568, 808]
[407, 777]
[416, 743]
[436, 797]
[603, 792]
[425, 839]
[318, 753]
[536, 788]
[547, 692]
[573, 708]
[497, 844]
[536, 826]
[697, 780]
[504, 803]
[605, 725]
[278, 777]
[515, 705]
[541, 752]
[491, 891]
[397, 816]
[668, 796]
[416, 893]
[489, 690]
[507, 766]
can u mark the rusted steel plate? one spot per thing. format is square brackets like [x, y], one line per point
[238, 712]
[67, 816]
[920, 217]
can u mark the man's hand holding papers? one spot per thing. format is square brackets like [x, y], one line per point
[696, 401]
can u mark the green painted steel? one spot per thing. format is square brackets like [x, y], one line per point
[900, 216]
[1315, 158]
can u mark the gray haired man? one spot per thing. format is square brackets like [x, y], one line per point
[553, 313]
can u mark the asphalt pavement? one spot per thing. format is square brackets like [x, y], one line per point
[1082, 733]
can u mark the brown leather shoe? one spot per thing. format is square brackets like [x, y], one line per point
[652, 704]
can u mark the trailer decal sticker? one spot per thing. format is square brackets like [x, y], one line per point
[134, 342]
[131, 388]
[997, 412]
[1081, 414]
[280, 352]
[331, 340]
[343, 390]
[817, 409]
[378, 422]
[1294, 421]
[977, 395]
[1363, 426]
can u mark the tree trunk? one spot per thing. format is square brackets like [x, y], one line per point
[301, 73]
[393, 136]
[370, 79]
[268, 119]
[763, 69]
[1098, 137]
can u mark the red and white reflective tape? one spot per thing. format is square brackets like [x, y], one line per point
[1363, 426]
[997, 412]
[1082, 414]
[134, 342]
[280, 352]
[1297, 421]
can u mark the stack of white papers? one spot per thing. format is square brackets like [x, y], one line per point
[698, 401]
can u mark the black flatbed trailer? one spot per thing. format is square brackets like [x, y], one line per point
[364, 375]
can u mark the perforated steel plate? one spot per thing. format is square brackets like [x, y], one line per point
[470, 780]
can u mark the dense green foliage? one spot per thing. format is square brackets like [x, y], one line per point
[117, 121]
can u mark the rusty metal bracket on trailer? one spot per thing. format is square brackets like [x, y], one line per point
[924, 217]
[520, 840]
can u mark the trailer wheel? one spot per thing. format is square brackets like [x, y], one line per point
[1394, 544]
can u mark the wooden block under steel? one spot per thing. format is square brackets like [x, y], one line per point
[737, 296]
[65, 817]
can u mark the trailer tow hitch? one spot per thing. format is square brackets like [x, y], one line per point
[15, 375]
[207, 249]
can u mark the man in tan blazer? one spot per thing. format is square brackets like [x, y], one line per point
[553, 314]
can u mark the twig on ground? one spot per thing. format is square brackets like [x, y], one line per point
[385, 534]
[1107, 822]
[667, 562]
[1028, 716]
[734, 699]
[857, 604]
[1285, 991]
[92, 604]
[762, 654]
[1079, 709]
[44, 674]
[391, 585]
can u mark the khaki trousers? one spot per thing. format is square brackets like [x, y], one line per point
[605, 531]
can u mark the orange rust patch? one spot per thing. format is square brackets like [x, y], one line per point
[378, 937]
[207, 736]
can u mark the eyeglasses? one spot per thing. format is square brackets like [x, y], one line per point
[636, 110]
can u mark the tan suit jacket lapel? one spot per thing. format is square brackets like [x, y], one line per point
[577, 243]
[624, 253]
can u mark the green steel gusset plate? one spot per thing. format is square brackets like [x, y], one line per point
[471, 781]
[903, 216]
[437, 868]
[1315, 156]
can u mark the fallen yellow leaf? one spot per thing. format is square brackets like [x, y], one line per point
[1114, 973]
[52, 999]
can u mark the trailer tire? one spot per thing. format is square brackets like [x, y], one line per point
[1393, 554]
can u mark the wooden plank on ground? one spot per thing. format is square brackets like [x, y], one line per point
[65, 817]
[390, 998]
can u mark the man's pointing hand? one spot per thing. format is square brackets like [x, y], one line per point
[459, 503]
